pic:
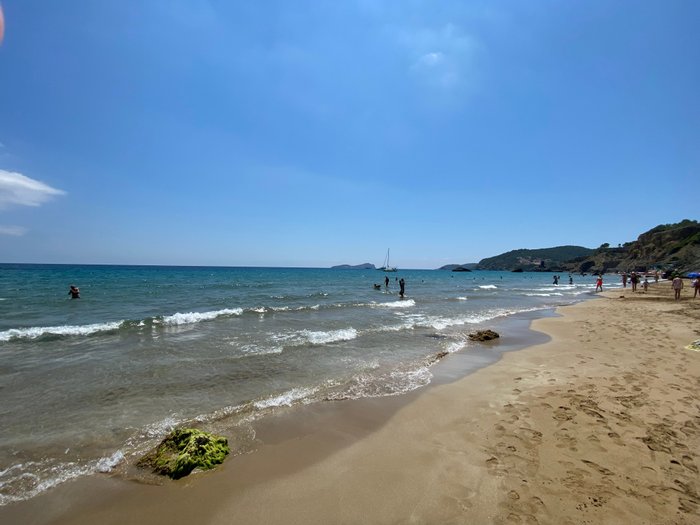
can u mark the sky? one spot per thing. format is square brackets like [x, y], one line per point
[323, 132]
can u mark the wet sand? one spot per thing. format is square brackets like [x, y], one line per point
[601, 424]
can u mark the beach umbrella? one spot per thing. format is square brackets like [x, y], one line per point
[694, 275]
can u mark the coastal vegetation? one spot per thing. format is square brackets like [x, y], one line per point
[673, 247]
[542, 259]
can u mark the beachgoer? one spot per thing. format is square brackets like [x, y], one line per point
[656, 276]
[634, 279]
[677, 285]
[386, 283]
[645, 284]
[74, 292]
[599, 284]
[402, 286]
[696, 287]
[556, 280]
[571, 279]
[624, 279]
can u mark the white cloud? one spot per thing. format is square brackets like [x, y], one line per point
[15, 231]
[430, 59]
[443, 57]
[18, 189]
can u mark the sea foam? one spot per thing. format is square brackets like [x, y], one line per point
[196, 317]
[67, 330]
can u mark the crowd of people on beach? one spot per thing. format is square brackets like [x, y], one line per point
[677, 283]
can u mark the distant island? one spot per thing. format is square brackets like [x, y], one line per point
[366, 266]
[467, 267]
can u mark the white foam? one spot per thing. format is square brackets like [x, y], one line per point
[488, 287]
[455, 346]
[38, 331]
[322, 338]
[106, 464]
[50, 475]
[287, 398]
[404, 303]
[461, 298]
[196, 317]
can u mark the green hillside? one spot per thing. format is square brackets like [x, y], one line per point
[542, 259]
[666, 247]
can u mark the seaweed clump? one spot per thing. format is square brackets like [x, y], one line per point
[483, 335]
[184, 450]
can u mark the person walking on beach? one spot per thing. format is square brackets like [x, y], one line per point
[677, 285]
[599, 284]
[634, 278]
[656, 276]
[624, 279]
[696, 287]
[74, 292]
[645, 285]
[402, 286]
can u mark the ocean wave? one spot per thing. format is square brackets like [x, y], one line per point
[332, 336]
[404, 303]
[374, 384]
[24, 481]
[488, 287]
[288, 398]
[107, 464]
[178, 319]
[65, 330]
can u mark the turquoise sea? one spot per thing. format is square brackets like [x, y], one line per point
[88, 384]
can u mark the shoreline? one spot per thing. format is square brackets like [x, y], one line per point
[467, 449]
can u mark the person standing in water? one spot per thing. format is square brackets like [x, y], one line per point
[402, 286]
[74, 292]
[599, 284]
[386, 282]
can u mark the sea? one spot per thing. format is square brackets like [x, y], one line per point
[88, 385]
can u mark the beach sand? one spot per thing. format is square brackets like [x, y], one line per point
[601, 424]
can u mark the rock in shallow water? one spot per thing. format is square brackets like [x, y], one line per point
[184, 450]
[483, 335]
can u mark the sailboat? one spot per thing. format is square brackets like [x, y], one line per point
[386, 267]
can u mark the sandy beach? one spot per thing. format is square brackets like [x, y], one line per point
[601, 424]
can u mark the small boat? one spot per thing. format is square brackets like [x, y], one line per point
[386, 267]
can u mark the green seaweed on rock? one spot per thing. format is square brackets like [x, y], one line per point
[184, 450]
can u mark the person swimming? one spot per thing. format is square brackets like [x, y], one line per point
[74, 292]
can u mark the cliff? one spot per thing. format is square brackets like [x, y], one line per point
[673, 247]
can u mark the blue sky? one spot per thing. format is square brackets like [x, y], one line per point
[314, 133]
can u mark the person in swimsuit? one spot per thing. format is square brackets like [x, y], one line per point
[599, 284]
[74, 292]
[677, 285]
